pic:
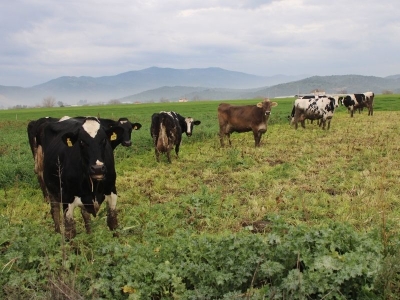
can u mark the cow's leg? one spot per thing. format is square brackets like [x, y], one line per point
[303, 123]
[295, 121]
[177, 145]
[112, 220]
[222, 136]
[69, 222]
[169, 155]
[351, 111]
[55, 213]
[323, 122]
[157, 155]
[39, 171]
[370, 110]
[257, 138]
[86, 220]
[43, 187]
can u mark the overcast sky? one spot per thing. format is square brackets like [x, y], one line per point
[46, 39]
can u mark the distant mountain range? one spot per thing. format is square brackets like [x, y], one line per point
[166, 84]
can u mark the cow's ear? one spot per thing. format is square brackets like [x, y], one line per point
[114, 133]
[136, 126]
[69, 139]
[197, 122]
[259, 104]
[274, 104]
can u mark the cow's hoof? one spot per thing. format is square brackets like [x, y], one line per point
[112, 220]
[69, 231]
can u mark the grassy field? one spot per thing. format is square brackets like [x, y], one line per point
[304, 183]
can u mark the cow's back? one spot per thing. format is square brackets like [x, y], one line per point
[238, 118]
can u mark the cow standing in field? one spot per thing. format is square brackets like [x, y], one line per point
[78, 169]
[166, 131]
[359, 101]
[336, 99]
[35, 133]
[35, 129]
[244, 118]
[313, 109]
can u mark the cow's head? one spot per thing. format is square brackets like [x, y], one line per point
[125, 138]
[335, 100]
[93, 142]
[266, 106]
[188, 125]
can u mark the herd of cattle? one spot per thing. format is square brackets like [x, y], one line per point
[74, 157]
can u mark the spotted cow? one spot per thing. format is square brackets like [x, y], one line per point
[359, 101]
[313, 109]
[166, 131]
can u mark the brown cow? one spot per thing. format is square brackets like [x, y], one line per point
[233, 118]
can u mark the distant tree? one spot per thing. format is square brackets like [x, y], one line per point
[60, 104]
[164, 100]
[342, 91]
[49, 101]
[19, 106]
[317, 91]
[82, 102]
[114, 101]
[196, 98]
[387, 92]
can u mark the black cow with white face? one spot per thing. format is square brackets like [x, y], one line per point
[166, 131]
[78, 169]
[125, 138]
[35, 131]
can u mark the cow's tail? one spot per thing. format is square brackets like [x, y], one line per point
[292, 114]
[162, 141]
[291, 117]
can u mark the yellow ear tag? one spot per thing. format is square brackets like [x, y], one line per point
[113, 137]
[69, 143]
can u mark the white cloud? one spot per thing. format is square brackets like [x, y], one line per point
[44, 39]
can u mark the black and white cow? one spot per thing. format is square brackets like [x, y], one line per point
[125, 138]
[335, 97]
[35, 127]
[78, 169]
[35, 132]
[359, 101]
[313, 109]
[166, 131]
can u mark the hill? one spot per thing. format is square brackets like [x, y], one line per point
[341, 84]
[71, 90]
[159, 84]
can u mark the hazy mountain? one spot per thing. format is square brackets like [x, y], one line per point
[155, 84]
[330, 84]
[70, 90]
[333, 84]
[393, 76]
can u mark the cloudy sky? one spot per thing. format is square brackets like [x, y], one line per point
[45, 39]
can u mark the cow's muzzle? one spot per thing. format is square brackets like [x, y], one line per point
[267, 113]
[97, 172]
[126, 143]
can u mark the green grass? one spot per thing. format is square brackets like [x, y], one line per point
[307, 179]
